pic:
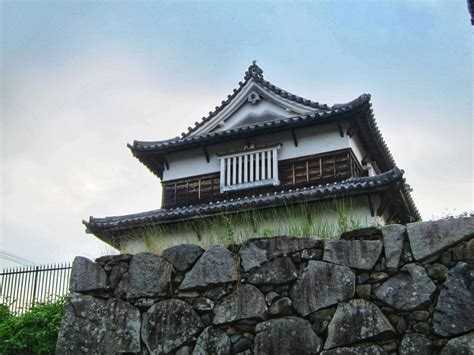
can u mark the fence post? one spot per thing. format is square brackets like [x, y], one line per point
[36, 282]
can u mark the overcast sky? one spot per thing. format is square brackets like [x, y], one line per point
[82, 79]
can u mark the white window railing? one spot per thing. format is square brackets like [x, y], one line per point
[251, 168]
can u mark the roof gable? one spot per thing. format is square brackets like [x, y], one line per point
[254, 101]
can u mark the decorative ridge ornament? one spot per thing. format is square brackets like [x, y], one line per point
[254, 71]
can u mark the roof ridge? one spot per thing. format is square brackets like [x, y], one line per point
[254, 72]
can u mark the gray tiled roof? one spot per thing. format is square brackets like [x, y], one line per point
[171, 144]
[353, 186]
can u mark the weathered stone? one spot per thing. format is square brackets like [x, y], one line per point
[428, 238]
[212, 341]
[113, 259]
[149, 276]
[256, 252]
[470, 251]
[459, 252]
[169, 324]
[87, 276]
[287, 335]
[312, 254]
[409, 289]
[393, 238]
[363, 278]
[419, 316]
[184, 350]
[422, 328]
[401, 326]
[276, 272]
[216, 266]
[271, 297]
[216, 293]
[367, 233]
[357, 350]
[355, 321]
[377, 276]
[282, 307]
[455, 307]
[242, 344]
[188, 294]
[322, 285]
[463, 345]
[247, 302]
[437, 271]
[363, 291]
[321, 319]
[118, 270]
[89, 325]
[414, 343]
[359, 254]
[183, 256]
[144, 303]
[203, 304]
[447, 259]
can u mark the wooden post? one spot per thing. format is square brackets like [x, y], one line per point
[307, 171]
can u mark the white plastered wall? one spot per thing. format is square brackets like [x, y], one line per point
[311, 140]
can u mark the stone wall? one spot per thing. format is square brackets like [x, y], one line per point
[394, 290]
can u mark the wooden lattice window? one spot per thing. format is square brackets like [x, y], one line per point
[249, 168]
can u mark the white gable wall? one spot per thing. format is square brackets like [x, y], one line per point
[311, 140]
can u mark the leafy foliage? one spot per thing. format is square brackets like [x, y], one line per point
[34, 332]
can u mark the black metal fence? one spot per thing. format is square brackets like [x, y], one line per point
[22, 287]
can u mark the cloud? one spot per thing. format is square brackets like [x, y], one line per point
[64, 150]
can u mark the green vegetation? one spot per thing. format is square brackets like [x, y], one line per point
[323, 220]
[34, 332]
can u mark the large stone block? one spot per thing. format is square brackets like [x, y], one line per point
[97, 326]
[463, 345]
[212, 341]
[359, 254]
[414, 343]
[356, 321]
[87, 276]
[149, 276]
[183, 256]
[356, 350]
[321, 285]
[169, 324]
[276, 272]
[256, 252]
[455, 308]
[393, 238]
[247, 302]
[429, 238]
[287, 335]
[216, 266]
[409, 289]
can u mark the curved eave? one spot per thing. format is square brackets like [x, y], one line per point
[107, 227]
[151, 153]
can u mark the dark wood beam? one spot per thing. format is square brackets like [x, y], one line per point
[383, 204]
[371, 206]
[206, 153]
[354, 130]
[295, 140]
[366, 157]
[339, 127]
[393, 215]
[165, 163]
